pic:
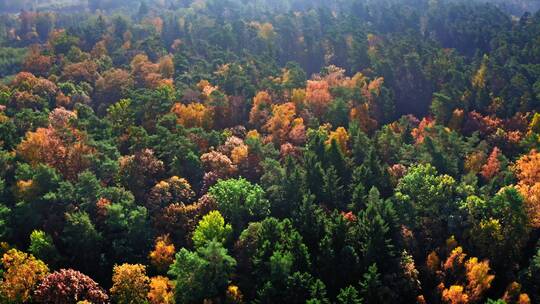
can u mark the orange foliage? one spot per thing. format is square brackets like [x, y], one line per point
[161, 291]
[279, 124]
[163, 254]
[478, 277]
[112, 85]
[474, 161]
[422, 131]
[493, 165]
[433, 262]
[37, 63]
[147, 73]
[456, 120]
[166, 66]
[59, 146]
[181, 219]
[528, 173]
[22, 273]
[455, 295]
[261, 109]
[239, 154]
[318, 96]
[193, 115]
[297, 134]
[456, 260]
[361, 113]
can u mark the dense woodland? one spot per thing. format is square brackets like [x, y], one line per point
[291, 151]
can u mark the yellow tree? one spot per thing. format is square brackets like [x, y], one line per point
[478, 278]
[22, 273]
[193, 115]
[280, 123]
[130, 284]
[528, 173]
[341, 137]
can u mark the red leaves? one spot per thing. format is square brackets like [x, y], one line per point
[69, 286]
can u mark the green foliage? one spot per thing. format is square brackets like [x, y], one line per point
[203, 274]
[11, 60]
[211, 227]
[240, 201]
[349, 295]
[424, 91]
[42, 247]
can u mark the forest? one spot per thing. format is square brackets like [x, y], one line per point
[269, 151]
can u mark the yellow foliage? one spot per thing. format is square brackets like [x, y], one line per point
[478, 277]
[341, 137]
[234, 296]
[298, 97]
[239, 154]
[130, 283]
[22, 273]
[253, 134]
[479, 78]
[193, 115]
[279, 124]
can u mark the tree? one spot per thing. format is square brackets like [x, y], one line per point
[111, 87]
[166, 66]
[67, 286]
[279, 124]
[427, 201]
[161, 290]
[493, 165]
[139, 172]
[371, 287]
[317, 97]
[349, 295]
[82, 240]
[240, 201]
[42, 247]
[478, 277]
[211, 227]
[59, 146]
[200, 275]
[528, 173]
[22, 274]
[130, 284]
[163, 254]
[260, 112]
[193, 115]
[376, 227]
